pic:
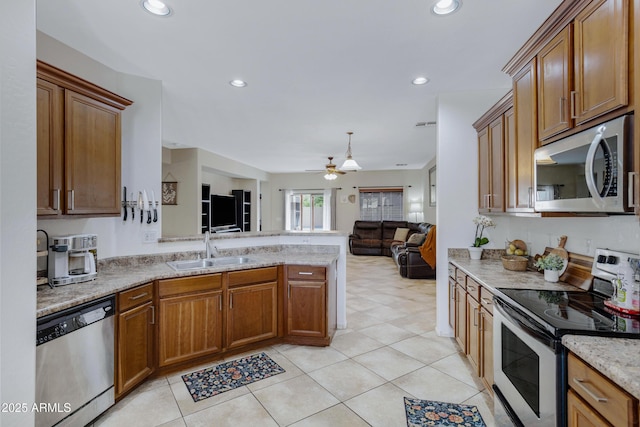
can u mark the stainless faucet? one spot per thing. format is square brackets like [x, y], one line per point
[207, 249]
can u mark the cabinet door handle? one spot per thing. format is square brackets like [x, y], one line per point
[562, 109]
[56, 199]
[573, 105]
[230, 301]
[475, 316]
[144, 294]
[581, 383]
[220, 303]
[71, 202]
[153, 314]
[289, 291]
[530, 201]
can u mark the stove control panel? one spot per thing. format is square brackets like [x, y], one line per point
[606, 262]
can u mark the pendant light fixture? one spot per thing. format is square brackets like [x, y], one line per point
[350, 164]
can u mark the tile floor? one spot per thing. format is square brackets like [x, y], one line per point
[389, 351]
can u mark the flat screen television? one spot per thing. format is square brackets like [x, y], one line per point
[223, 210]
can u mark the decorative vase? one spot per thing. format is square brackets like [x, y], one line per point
[475, 253]
[551, 275]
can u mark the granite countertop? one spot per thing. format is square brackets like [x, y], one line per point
[491, 274]
[127, 272]
[615, 358]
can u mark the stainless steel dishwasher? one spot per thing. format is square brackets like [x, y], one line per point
[74, 364]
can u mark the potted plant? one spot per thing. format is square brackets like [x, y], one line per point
[551, 264]
[481, 222]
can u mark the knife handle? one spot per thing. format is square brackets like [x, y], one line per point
[148, 217]
[155, 215]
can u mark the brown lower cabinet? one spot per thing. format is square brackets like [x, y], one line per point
[135, 359]
[473, 323]
[189, 318]
[594, 400]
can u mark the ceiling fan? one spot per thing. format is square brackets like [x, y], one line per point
[330, 169]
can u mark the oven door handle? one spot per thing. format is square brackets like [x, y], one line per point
[530, 327]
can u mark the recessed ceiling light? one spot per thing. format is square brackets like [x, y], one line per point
[420, 81]
[238, 83]
[446, 7]
[156, 7]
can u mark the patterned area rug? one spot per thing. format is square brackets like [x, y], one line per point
[229, 375]
[422, 413]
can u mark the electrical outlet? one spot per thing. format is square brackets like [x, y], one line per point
[305, 241]
[150, 236]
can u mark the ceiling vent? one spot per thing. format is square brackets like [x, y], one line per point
[425, 124]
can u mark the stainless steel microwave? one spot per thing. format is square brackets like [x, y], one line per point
[587, 171]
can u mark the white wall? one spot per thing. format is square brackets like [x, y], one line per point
[347, 212]
[457, 177]
[17, 208]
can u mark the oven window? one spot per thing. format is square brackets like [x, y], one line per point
[522, 366]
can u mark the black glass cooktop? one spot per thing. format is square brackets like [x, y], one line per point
[573, 312]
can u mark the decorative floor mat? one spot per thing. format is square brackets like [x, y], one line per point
[422, 413]
[229, 375]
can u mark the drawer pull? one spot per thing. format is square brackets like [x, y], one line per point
[305, 273]
[470, 288]
[144, 294]
[486, 301]
[580, 382]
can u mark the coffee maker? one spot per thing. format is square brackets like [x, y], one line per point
[72, 259]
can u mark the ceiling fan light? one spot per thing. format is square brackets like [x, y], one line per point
[330, 176]
[350, 165]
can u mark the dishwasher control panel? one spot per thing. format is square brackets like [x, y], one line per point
[59, 324]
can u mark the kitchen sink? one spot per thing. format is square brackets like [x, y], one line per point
[197, 264]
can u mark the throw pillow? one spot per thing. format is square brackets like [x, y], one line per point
[416, 239]
[401, 234]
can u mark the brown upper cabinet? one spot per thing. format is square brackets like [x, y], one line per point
[78, 145]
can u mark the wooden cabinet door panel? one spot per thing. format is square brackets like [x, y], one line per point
[579, 414]
[473, 334]
[555, 80]
[601, 58]
[484, 170]
[252, 314]
[496, 152]
[189, 326]
[461, 318]
[135, 347]
[486, 331]
[50, 132]
[307, 308]
[526, 138]
[92, 156]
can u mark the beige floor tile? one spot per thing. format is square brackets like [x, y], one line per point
[430, 384]
[416, 323]
[381, 407]
[175, 423]
[424, 349]
[188, 406]
[355, 343]
[361, 304]
[141, 409]
[458, 367]
[336, 416]
[385, 298]
[484, 402]
[347, 379]
[385, 313]
[290, 371]
[293, 400]
[361, 320]
[386, 333]
[310, 358]
[241, 411]
[388, 363]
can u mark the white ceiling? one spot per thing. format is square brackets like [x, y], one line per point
[315, 70]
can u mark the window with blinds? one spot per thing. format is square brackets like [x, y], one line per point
[378, 204]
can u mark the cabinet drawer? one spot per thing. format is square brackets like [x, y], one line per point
[452, 271]
[473, 288]
[613, 403]
[461, 278]
[256, 275]
[134, 297]
[306, 272]
[486, 299]
[184, 285]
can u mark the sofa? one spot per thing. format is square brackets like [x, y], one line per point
[380, 238]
